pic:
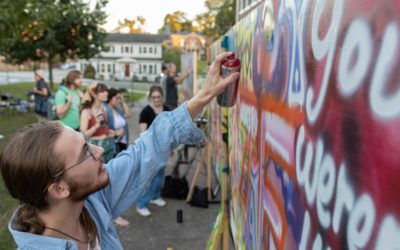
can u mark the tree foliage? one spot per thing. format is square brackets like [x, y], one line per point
[51, 30]
[225, 17]
[176, 22]
[133, 25]
[172, 55]
[214, 23]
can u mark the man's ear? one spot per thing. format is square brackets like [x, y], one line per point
[58, 190]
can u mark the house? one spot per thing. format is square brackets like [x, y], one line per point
[191, 42]
[129, 56]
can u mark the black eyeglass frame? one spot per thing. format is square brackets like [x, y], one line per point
[89, 154]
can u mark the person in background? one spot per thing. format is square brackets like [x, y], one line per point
[68, 100]
[163, 79]
[67, 196]
[172, 82]
[42, 93]
[146, 118]
[117, 111]
[94, 123]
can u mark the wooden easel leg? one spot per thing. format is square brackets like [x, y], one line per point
[209, 174]
[225, 233]
[197, 173]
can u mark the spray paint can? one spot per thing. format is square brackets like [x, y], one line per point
[179, 215]
[229, 65]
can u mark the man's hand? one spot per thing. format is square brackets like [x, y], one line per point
[213, 86]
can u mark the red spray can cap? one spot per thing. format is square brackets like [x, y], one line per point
[231, 61]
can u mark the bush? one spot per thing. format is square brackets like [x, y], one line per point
[135, 78]
[144, 79]
[157, 79]
[90, 72]
[101, 77]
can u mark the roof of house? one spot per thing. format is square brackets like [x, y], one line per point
[134, 38]
[117, 58]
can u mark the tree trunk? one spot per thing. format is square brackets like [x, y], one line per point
[50, 64]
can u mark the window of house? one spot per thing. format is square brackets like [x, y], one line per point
[126, 49]
[102, 67]
[151, 69]
[140, 50]
[155, 50]
[108, 68]
[144, 68]
[140, 69]
[122, 49]
[155, 69]
[144, 50]
[98, 67]
[113, 68]
[150, 50]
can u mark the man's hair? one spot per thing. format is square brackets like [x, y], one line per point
[70, 78]
[28, 163]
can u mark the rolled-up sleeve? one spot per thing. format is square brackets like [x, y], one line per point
[132, 170]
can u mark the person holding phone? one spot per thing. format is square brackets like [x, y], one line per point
[93, 121]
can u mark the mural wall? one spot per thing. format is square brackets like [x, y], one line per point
[314, 149]
[188, 63]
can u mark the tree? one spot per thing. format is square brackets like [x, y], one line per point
[48, 30]
[134, 25]
[219, 18]
[172, 55]
[176, 22]
[205, 23]
[225, 17]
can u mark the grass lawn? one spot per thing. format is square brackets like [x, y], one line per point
[9, 124]
[20, 90]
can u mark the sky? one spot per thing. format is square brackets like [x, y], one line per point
[153, 11]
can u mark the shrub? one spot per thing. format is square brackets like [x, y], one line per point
[90, 72]
[135, 78]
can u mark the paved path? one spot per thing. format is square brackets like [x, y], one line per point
[161, 230]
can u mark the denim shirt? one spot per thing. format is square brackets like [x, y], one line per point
[130, 173]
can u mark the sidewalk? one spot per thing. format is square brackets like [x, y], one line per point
[161, 230]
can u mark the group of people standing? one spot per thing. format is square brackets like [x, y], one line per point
[100, 114]
[67, 196]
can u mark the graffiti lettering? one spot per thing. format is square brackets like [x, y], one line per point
[361, 216]
[361, 223]
[326, 185]
[357, 41]
[344, 201]
[322, 48]
[249, 118]
[388, 237]
[383, 105]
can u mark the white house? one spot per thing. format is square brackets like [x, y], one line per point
[128, 55]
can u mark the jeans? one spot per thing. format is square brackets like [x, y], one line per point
[154, 190]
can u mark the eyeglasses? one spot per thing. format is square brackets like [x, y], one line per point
[88, 153]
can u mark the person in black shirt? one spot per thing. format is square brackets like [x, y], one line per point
[146, 118]
[172, 83]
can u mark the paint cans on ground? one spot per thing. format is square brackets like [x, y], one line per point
[179, 215]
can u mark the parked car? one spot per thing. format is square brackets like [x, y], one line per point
[68, 66]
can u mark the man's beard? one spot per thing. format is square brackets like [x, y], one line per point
[80, 191]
